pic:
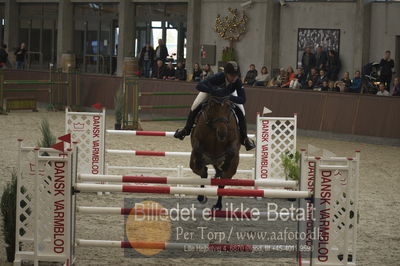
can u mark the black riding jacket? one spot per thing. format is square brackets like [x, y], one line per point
[217, 85]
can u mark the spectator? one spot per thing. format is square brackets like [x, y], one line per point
[346, 80]
[356, 83]
[170, 72]
[146, 59]
[196, 72]
[332, 86]
[322, 77]
[3, 56]
[263, 78]
[300, 80]
[321, 58]
[207, 72]
[281, 78]
[313, 75]
[382, 90]
[20, 56]
[310, 85]
[395, 88]
[160, 71]
[291, 76]
[333, 65]
[386, 65]
[251, 75]
[161, 51]
[324, 86]
[308, 60]
[180, 72]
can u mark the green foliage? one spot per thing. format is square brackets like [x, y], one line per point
[8, 211]
[119, 105]
[228, 54]
[48, 139]
[291, 165]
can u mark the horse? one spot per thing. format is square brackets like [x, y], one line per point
[215, 141]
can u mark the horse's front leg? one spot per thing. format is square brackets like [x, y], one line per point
[228, 171]
[198, 167]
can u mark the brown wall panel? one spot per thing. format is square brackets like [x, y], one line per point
[339, 113]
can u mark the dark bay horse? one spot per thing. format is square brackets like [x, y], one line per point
[215, 141]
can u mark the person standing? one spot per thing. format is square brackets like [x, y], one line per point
[3, 56]
[321, 58]
[146, 59]
[386, 64]
[161, 51]
[20, 56]
[333, 65]
[308, 60]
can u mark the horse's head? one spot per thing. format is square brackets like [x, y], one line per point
[218, 111]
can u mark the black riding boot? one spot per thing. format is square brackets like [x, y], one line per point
[244, 140]
[181, 134]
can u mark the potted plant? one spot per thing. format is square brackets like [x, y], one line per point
[228, 54]
[8, 212]
[291, 166]
[118, 108]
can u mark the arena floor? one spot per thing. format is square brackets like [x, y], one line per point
[378, 237]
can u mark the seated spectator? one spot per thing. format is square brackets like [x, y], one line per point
[180, 72]
[324, 85]
[313, 75]
[160, 70]
[197, 73]
[395, 87]
[356, 83]
[300, 80]
[207, 72]
[170, 72]
[251, 75]
[322, 77]
[309, 85]
[290, 77]
[346, 80]
[281, 78]
[382, 90]
[332, 86]
[263, 78]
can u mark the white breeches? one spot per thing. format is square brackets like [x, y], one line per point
[202, 97]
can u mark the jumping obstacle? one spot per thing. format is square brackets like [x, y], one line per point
[59, 86]
[131, 117]
[276, 136]
[333, 180]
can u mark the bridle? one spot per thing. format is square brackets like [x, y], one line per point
[225, 120]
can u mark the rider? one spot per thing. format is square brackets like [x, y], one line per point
[222, 84]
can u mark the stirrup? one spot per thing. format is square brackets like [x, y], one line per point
[180, 134]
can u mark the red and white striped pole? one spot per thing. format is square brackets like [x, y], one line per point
[264, 193]
[162, 153]
[148, 133]
[189, 181]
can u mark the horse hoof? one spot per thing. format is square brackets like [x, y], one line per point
[202, 199]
